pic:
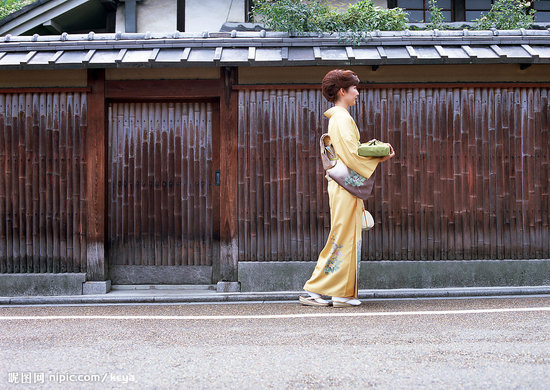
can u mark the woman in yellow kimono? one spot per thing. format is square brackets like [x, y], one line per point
[337, 268]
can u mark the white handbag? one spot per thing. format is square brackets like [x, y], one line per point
[367, 219]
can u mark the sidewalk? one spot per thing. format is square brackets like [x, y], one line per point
[205, 294]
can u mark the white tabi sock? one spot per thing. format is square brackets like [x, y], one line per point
[350, 300]
[316, 296]
[312, 294]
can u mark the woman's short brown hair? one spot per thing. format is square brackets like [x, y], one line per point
[336, 79]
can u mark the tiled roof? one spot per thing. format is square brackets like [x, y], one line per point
[250, 48]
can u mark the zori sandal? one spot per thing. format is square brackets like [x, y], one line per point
[311, 301]
[345, 303]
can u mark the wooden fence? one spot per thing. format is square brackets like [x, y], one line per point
[470, 178]
[42, 182]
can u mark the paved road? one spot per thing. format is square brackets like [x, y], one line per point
[458, 343]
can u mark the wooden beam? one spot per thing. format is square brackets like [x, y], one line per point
[474, 84]
[44, 89]
[227, 268]
[458, 11]
[95, 176]
[130, 19]
[53, 27]
[248, 14]
[161, 89]
[180, 15]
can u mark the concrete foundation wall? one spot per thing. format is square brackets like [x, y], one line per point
[12, 285]
[292, 275]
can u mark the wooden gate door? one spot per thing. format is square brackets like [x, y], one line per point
[160, 192]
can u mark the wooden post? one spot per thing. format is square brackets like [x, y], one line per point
[227, 268]
[95, 176]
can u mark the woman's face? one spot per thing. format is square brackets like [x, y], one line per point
[349, 96]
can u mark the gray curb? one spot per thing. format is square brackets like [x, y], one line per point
[273, 296]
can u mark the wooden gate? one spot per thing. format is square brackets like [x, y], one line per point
[42, 182]
[160, 208]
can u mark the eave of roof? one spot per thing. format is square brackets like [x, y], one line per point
[251, 48]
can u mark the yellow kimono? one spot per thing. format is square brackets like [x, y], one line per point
[338, 265]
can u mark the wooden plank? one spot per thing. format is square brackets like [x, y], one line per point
[374, 85]
[9, 183]
[26, 216]
[545, 171]
[157, 169]
[169, 189]
[95, 177]
[503, 102]
[207, 142]
[163, 177]
[145, 149]
[185, 185]
[129, 185]
[499, 174]
[53, 125]
[161, 89]
[228, 168]
[151, 183]
[44, 90]
[4, 148]
[83, 119]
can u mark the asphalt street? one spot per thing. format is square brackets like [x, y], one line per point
[416, 343]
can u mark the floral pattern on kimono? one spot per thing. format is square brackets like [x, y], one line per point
[355, 179]
[333, 263]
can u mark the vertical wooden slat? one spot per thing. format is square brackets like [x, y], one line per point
[3, 199]
[130, 130]
[163, 194]
[242, 178]
[207, 140]
[195, 184]
[185, 185]
[143, 145]
[9, 184]
[176, 190]
[83, 168]
[151, 185]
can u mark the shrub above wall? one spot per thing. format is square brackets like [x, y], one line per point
[297, 17]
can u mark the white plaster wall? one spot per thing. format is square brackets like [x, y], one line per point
[200, 15]
[151, 15]
[210, 15]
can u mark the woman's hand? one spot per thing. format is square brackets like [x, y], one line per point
[392, 153]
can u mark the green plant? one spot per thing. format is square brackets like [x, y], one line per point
[297, 16]
[294, 16]
[365, 16]
[437, 20]
[506, 14]
[10, 6]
